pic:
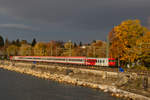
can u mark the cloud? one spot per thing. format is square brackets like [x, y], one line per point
[16, 26]
[83, 12]
[86, 17]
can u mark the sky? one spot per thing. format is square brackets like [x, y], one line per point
[76, 20]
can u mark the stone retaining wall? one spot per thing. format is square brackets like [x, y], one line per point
[106, 81]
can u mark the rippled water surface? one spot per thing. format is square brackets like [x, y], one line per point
[16, 86]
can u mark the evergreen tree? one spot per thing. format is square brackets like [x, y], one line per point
[18, 42]
[13, 42]
[94, 41]
[7, 42]
[75, 45]
[33, 42]
[80, 44]
[24, 42]
[1, 41]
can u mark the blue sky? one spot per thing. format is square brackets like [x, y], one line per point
[76, 20]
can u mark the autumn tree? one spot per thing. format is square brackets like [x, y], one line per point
[24, 42]
[25, 50]
[12, 50]
[144, 49]
[40, 49]
[123, 40]
[68, 47]
[78, 51]
[97, 49]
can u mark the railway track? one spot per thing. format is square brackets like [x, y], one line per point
[114, 69]
[102, 68]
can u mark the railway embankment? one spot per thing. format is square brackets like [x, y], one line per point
[123, 85]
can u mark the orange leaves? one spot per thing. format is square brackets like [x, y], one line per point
[123, 42]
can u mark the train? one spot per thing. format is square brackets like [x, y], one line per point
[87, 61]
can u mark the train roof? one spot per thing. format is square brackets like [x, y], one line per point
[52, 56]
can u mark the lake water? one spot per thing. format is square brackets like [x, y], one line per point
[16, 86]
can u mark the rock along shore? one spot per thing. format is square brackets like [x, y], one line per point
[74, 76]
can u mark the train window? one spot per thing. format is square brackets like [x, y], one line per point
[36, 58]
[103, 61]
[28, 58]
[44, 58]
[91, 60]
[61, 59]
[111, 60]
[75, 59]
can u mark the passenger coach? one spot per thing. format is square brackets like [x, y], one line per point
[68, 60]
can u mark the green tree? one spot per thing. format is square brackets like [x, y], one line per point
[1, 41]
[7, 42]
[80, 44]
[75, 45]
[18, 43]
[33, 42]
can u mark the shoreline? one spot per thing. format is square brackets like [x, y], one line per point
[114, 91]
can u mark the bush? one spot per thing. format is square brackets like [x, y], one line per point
[139, 67]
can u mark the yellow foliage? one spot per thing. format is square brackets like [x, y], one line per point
[68, 45]
[40, 49]
[25, 50]
[123, 44]
[12, 50]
